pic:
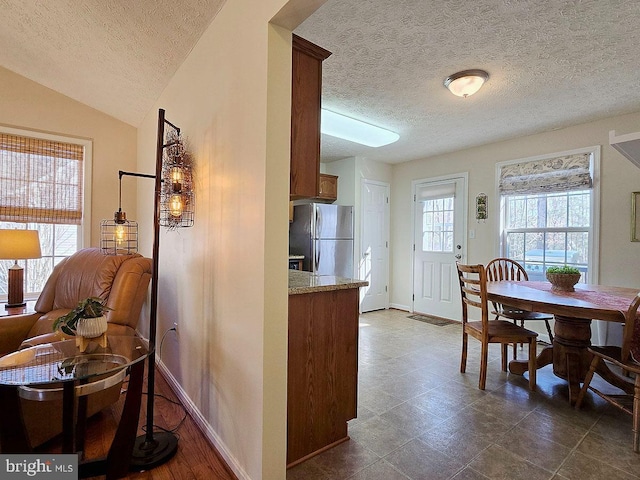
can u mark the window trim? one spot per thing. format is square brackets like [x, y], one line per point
[594, 230]
[84, 239]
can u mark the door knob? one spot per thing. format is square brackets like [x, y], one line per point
[458, 256]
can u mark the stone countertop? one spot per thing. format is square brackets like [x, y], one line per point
[307, 282]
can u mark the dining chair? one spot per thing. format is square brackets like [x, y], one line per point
[627, 358]
[506, 269]
[473, 290]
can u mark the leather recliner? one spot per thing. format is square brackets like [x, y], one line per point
[122, 280]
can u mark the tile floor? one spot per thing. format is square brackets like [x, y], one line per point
[419, 418]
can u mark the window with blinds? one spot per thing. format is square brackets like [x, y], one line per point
[40, 180]
[42, 187]
[548, 210]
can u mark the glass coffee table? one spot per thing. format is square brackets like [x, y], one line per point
[59, 370]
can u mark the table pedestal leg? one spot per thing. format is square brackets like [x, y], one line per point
[569, 355]
[13, 433]
[68, 417]
[518, 367]
[572, 337]
[116, 463]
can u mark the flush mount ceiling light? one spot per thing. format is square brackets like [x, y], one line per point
[466, 83]
[347, 128]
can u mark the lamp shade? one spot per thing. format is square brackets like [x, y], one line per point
[19, 244]
[468, 82]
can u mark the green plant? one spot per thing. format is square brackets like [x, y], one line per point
[91, 307]
[565, 269]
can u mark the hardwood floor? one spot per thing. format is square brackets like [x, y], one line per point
[195, 458]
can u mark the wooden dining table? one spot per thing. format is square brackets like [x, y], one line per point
[573, 313]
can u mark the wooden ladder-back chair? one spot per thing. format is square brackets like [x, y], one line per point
[500, 269]
[473, 290]
[627, 358]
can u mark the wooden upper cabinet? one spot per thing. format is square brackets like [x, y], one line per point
[306, 93]
[328, 188]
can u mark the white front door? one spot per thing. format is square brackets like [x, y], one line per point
[374, 248]
[439, 226]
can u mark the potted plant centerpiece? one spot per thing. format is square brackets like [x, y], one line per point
[563, 278]
[86, 320]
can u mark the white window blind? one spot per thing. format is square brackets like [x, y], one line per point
[551, 175]
[434, 192]
[40, 180]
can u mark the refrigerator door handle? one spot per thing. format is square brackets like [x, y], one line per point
[316, 260]
[318, 221]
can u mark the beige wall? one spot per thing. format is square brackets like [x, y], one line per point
[28, 105]
[619, 258]
[224, 281]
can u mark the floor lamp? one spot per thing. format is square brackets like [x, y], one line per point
[173, 208]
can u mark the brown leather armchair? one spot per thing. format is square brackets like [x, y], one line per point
[122, 280]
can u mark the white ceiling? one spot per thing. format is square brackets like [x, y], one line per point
[113, 55]
[552, 63]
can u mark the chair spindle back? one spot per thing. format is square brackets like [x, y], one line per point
[473, 290]
[631, 334]
[500, 269]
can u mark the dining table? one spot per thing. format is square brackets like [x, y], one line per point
[573, 313]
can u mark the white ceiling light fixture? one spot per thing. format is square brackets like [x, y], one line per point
[353, 130]
[466, 83]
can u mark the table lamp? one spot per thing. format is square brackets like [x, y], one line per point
[18, 245]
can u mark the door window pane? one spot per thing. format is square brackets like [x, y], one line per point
[437, 224]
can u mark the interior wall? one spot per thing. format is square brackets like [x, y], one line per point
[345, 169]
[619, 257]
[28, 105]
[224, 281]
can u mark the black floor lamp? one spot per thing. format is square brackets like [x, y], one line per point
[173, 208]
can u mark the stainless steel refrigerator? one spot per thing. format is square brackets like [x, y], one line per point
[323, 233]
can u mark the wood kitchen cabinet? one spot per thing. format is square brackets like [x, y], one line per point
[328, 188]
[306, 92]
[322, 371]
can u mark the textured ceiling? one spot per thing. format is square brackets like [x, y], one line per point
[113, 55]
[551, 63]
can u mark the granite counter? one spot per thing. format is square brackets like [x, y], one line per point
[307, 282]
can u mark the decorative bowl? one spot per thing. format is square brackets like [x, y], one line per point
[91, 327]
[563, 282]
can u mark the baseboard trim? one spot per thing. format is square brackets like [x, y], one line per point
[398, 306]
[202, 423]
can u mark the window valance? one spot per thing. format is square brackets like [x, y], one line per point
[435, 192]
[40, 180]
[551, 175]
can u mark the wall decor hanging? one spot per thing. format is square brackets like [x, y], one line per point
[481, 207]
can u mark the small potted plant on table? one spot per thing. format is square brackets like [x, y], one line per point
[563, 278]
[86, 320]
